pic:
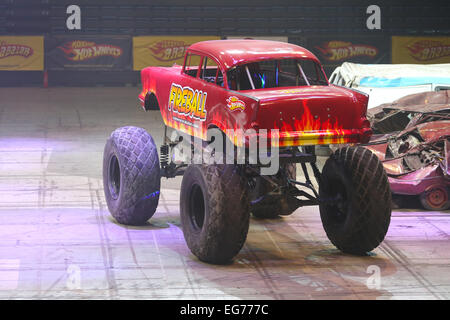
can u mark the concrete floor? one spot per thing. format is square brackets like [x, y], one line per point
[57, 239]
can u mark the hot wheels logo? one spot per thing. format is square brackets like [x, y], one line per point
[234, 103]
[426, 50]
[340, 50]
[187, 102]
[85, 50]
[168, 50]
[9, 50]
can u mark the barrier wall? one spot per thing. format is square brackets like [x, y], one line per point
[117, 60]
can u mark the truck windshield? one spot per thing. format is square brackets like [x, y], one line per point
[275, 74]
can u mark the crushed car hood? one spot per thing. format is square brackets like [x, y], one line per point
[409, 111]
[413, 141]
[412, 149]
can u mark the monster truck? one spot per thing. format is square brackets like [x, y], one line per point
[243, 85]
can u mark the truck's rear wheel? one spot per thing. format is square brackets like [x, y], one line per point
[214, 211]
[271, 206]
[131, 175]
[355, 198]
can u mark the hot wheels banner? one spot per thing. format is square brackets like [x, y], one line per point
[332, 51]
[88, 53]
[162, 50]
[424, 50]
[21, 53]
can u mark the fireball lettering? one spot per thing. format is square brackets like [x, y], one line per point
[187, 102]
[190, 94]
[179, 98]
[172, 96]
[194, 103]
[201, 109]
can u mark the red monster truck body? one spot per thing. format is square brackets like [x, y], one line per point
[255, 88]
[308, 114]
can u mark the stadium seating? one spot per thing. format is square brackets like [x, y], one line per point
[288, 17]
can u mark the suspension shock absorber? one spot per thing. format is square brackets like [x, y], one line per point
[164, 155]
[164, 151]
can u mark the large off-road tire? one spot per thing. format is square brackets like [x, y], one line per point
[214, 211]
[274, 205]
[131, 175]
[355, 198]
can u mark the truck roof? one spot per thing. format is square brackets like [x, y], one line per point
[238, 51]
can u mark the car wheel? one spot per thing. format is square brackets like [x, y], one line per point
[435, 198]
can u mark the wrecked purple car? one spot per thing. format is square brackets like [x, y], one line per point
[413, 141]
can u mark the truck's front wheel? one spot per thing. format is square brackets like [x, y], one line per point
[355, 198]
[214, 211]
[131, 175]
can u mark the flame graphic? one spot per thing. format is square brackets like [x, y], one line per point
[308, 130]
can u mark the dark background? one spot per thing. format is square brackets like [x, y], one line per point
[300, 19]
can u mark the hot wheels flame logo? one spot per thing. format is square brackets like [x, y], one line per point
[187, 102]
[233, 103]
[168, 50]
[426, 50]
[340, 50]
[85, 50]
[9, 50]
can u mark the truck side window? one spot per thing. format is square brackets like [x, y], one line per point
[211, 72]
[192, 64]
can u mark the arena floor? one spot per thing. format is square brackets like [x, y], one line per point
[57, 239]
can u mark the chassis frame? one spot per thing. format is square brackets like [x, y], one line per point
[287, 186]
